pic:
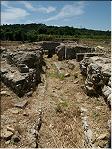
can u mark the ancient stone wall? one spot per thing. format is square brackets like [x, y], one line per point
[70, 51]
[98, 76]
[49, 47]
[21, 70]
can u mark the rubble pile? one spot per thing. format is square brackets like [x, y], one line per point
[21, 70]
[98, 75]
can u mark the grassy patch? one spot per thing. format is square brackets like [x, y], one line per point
[61, 76]
[52, 74]
[61, 106]
[95, 115]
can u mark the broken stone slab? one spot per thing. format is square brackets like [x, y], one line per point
[7, 142]
[75, 82]
[67, 75]
[14, 111]
[25, 113]
[21, 104]
[106, 91]
[80, 56]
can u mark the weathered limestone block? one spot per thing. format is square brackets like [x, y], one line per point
[106, 91]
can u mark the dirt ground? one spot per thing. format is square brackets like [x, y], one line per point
[61, 98]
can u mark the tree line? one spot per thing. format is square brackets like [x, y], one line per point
[38, 32]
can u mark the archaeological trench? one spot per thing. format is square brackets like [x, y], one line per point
[55, 94]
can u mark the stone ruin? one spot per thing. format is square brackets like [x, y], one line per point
[65, 50]
[98, 76]
[48, 47]
[21, 70]
[68, 51]
[80, 56]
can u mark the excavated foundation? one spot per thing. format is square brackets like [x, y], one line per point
[21, 71]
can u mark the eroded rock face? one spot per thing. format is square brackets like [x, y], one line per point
[98, 75]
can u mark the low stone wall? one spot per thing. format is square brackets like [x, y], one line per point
[21, 71]
[80, 56]
[69, 51]
[31, 59]
[98, 76]
[49, 47]
[20, 84]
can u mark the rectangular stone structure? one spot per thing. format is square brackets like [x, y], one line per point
[20, 83]
[80, 56]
